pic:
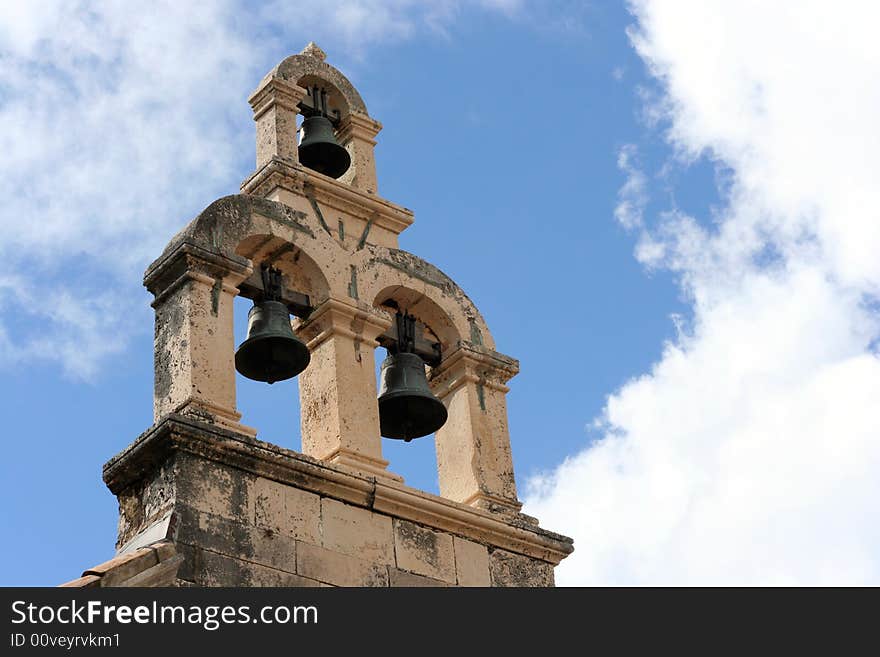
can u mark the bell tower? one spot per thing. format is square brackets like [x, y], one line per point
[313, 244]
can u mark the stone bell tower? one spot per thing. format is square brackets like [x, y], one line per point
[244, 512]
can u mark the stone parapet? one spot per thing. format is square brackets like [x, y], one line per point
[245, 512]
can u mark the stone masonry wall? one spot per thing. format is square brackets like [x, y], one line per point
[234, 528]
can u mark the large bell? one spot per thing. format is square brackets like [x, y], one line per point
[407, 407]
[319, 149]
[271, 352]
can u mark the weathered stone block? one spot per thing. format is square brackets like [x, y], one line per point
[213, 488]
[144, 501]
[401, 578]
[510, 569]
[357, 532]
[424, 551]
[471, 563]
[332, 567]
[287, 510]
[268, 506]
[239, 540]
[303, 510]
[212, 569]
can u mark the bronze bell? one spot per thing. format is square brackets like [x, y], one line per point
[407, 407]
[319, 149]
[271, 351]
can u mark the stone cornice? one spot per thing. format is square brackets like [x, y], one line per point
[178, 433]
[335, 317]
[360, 127]
[178, 265]
[476, 364]
[276, 92]
[286, 174]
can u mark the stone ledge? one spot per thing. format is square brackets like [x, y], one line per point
[279, 172]
[179, 433]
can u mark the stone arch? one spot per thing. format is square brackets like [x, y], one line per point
[277, 103]
[335, 98]
[474, 463]
[423, 308]
[229, 220]
[296, 67]
[300, 270]
[426, 292]
[240, 226]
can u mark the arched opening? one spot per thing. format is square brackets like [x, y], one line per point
[416, 460]
[274, 409]
[318, 125]
[300, 271]
[438, 325]
[337, 105]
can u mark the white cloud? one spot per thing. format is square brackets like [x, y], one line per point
[118, 122]
[750, 452]
[114, 126]
[633, 196]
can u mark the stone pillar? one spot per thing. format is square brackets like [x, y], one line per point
[275, 109]
[474, 462]
[194, 343]
[338, 409]
[356, 133]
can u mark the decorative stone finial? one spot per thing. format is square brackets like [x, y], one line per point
[312, 50]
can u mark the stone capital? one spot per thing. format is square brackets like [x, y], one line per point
[472, 363]
[358, 126]
[338, 318]
[276, 91]
[188, 261]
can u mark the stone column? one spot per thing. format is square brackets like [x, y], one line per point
[473, 448]
[338, 409]
[275, 109]
[356, 133]
[194, 343]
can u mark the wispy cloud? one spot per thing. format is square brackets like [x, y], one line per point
[632, 196]
[749, 452]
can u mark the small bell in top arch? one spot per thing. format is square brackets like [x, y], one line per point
[319, 149]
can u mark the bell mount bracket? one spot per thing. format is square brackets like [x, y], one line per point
[315, 104]
[267, 286]
[406, 335]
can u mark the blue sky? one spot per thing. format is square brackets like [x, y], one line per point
[605, 181]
